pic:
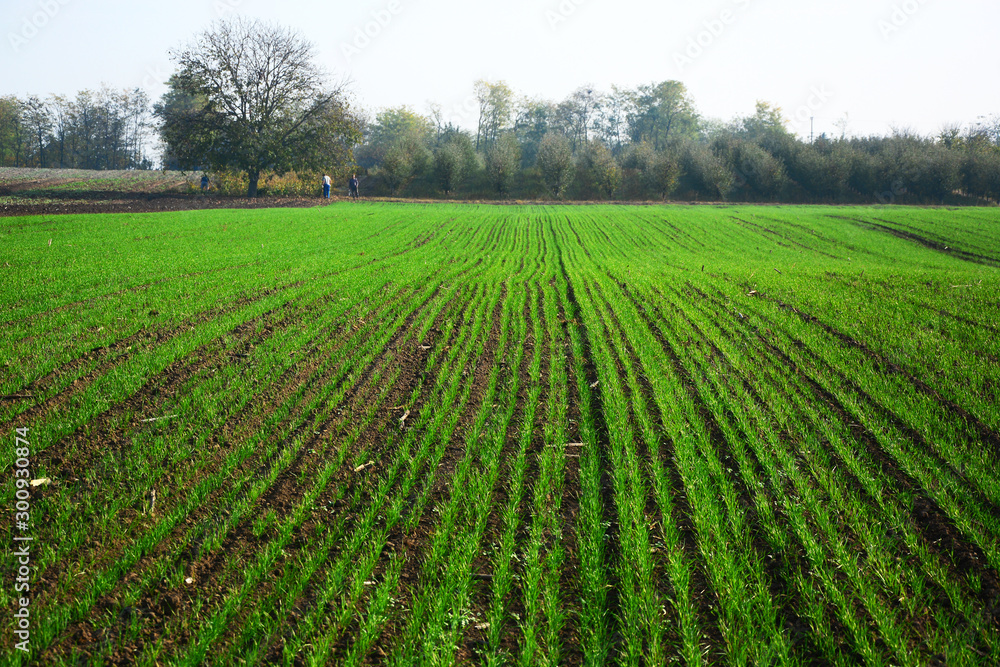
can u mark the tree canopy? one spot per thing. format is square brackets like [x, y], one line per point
[248, 96]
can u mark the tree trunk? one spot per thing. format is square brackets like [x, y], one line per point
[254, 175]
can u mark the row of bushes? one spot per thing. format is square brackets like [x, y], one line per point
[234, 184]
[729, 167]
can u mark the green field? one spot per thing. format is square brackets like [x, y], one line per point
[458, 434]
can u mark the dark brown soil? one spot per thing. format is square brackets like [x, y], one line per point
[124, 202]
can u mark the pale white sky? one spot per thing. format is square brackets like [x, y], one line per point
[919, 64]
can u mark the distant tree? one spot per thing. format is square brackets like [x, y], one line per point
[398, 123]
[11, 131]
[862, 170]
[704, 174]
[580, 109]
[767, 120]
[496, 111]
[532, 121]
[613, 113]
[565, 122]
[980, 171]
[843, 124]
[502, 161]
[396, 147]
[62, 128]
[261, 104]
[435, 114]
[449, 167]
[398, 166]
[662, 113]
[599, 171]
[901, 166]
[938, 174]
[821, 173]
[635, 161]
[649, 173]
[178, 104]
[395, 168]
[38, 123]
[757, 174]
[662, 172]
[555, 163]
[987, 128]
[455, 160]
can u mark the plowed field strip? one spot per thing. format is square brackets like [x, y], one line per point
[508, 621]
[408, 514]
[680, 566]
[446, 578]
[87, 449]
[166, 386]
[494, 585]
[549, 590]
[981, 429]
[363, 439]
[721, 527]
[637, 509]
[907, 483]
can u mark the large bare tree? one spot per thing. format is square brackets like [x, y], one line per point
[248, 96]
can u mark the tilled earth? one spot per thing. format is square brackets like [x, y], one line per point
[108, 202]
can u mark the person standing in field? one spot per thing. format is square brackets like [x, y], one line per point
[204, 182]
[353, 186]
[326, 186]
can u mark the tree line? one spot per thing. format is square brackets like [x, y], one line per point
[249, 99]
[102, 129]
[650, 143]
